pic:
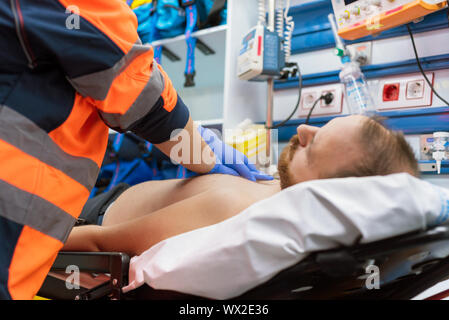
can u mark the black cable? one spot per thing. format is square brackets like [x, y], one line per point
[311, 109]
[328, 98]
[421, 68]
[297, 103]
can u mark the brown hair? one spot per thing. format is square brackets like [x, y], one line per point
[384, 152]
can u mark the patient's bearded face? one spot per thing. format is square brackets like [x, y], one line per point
[317, 153]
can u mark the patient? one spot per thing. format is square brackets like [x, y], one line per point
[150, 212]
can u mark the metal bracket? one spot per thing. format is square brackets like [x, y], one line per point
[204, 48]
[170, 55]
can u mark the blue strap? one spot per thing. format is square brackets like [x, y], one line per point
[157, 51]
[114, 176]
[179, 173]
[149, 148]
[191, 25]
[117, 142]
[116, 145]
[157, 54]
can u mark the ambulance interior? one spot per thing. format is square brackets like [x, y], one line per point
[273, 66]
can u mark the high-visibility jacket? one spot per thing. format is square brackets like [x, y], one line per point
[69, 69]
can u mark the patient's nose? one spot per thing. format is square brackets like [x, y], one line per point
[306, 134]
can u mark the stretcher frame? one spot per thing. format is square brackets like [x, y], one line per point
[114, 264]
[409, 264]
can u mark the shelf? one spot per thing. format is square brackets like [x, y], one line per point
[196, 34]
[205, 99]
[215, 38]
[211, 122]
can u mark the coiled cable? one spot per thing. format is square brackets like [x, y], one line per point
[280, 18]
[288, 33]
[262, 13]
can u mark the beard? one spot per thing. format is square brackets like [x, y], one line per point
[284, 162]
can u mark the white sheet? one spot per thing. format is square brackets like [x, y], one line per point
[227, 259]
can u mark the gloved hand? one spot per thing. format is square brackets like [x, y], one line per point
[229, 160]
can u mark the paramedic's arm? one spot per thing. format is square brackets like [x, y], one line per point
[136, 236]
[197, 155]
[104, 60]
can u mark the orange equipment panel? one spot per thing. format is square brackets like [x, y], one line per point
[389, 19]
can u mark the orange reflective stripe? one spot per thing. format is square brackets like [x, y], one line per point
[33, 257]
[113, 18]
[169, 94]
[83, 134]
[34, 176]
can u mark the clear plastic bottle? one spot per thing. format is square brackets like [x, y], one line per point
[357, 93]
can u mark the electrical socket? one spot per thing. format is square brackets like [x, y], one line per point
[415, 89]
[391, 92]
[308, 99]
[330, 104]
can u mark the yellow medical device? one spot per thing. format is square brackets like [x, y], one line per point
[137, 3]
[250, 140]
[360, 18]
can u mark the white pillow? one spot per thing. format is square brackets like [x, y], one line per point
[229, 258]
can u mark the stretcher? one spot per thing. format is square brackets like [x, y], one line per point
[408, 265]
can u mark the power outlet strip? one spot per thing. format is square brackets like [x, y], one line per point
[404, 92]
[310, 95]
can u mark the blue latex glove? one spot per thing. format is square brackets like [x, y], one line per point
[229, 160]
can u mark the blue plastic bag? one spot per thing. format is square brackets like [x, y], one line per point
[146, 19]
[204, 9]
[167, 18]
[171, 18]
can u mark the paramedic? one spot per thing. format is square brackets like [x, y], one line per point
[60, 89]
